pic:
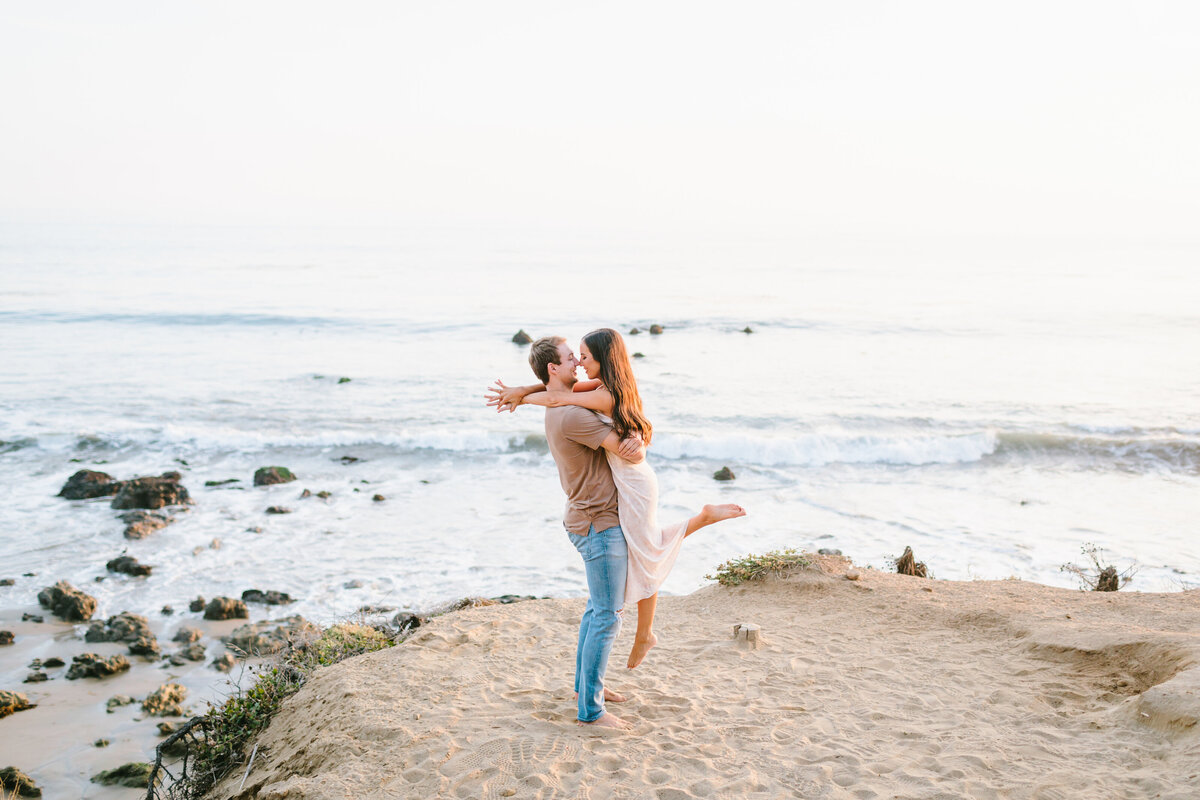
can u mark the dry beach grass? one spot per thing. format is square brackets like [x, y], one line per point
[887, 686]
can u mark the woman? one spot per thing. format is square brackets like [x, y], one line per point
[612, 392]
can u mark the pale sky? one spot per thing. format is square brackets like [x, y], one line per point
[1072, 118]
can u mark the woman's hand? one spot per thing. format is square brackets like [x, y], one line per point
[505, 398]
[632, 448]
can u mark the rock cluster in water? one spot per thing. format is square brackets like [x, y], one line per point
[165, 701]
[128, 565]
[67, 602]
[151, 493]
[132, 629]
[93, 665]
[225, 608]
[268, 476]
[12, 702]
[270, 597]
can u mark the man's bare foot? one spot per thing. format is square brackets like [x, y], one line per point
[607, 720]
[640, 648]
[716, 513]
[609, 696]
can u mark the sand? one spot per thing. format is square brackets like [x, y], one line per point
[885, 687]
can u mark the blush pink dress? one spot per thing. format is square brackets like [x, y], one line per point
[652, 549]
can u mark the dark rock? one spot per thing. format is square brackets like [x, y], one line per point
[166, 728]
[324, 495]
[343, 380]
[723, 474]
[86, 484]
[17, 784]
[144, 646]
[278, 510]
[197, 604]
[222, 483]
[35, 664]
[225, 608]
[187, 634]
[32, 618]
[1107, 580]
[36, 677]
[12, 702]
[270, 597]
[193, 652]
[656, 329]
[140, 524]
[53, 661]
[379, 498]
[91, 665]
[165, 701]
[305, 494]
[268, 476]
[829, 551]
[118, 700]
[505, 599]
[224, 663]
[521, 337]
[67, 602]
[132, 629]
[176, 659]
[747, 329]
[407, 621]
[634, 331]
[639, 355]
[135, 774]
[8, 581]
[101, 743]
[349, 459]
[167, 611]
[128, 565]
[164, 490]
[6, 637]
[265, 638]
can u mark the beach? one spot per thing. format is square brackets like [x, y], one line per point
[995, 430]
[888, 686]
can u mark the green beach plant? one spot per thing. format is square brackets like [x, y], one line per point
[231, 726]
[757, 567]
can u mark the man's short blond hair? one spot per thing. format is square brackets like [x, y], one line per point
[542, 354]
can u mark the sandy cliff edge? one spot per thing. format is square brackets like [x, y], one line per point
[889, 686]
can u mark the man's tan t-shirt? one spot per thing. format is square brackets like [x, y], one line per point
[574, 435]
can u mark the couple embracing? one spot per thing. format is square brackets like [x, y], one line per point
[598, 436]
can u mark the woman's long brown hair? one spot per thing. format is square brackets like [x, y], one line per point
[616, 373]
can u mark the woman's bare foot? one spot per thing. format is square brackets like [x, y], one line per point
[716, 513]
[609, 696]
[606, 720]
[640, 648]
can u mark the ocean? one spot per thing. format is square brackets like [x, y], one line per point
[995, 405]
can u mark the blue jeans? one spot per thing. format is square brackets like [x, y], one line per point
[605, 560]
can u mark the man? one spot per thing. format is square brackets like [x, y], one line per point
[578, 439]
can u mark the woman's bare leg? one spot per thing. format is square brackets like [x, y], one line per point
[644, 639]
[707, 516]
